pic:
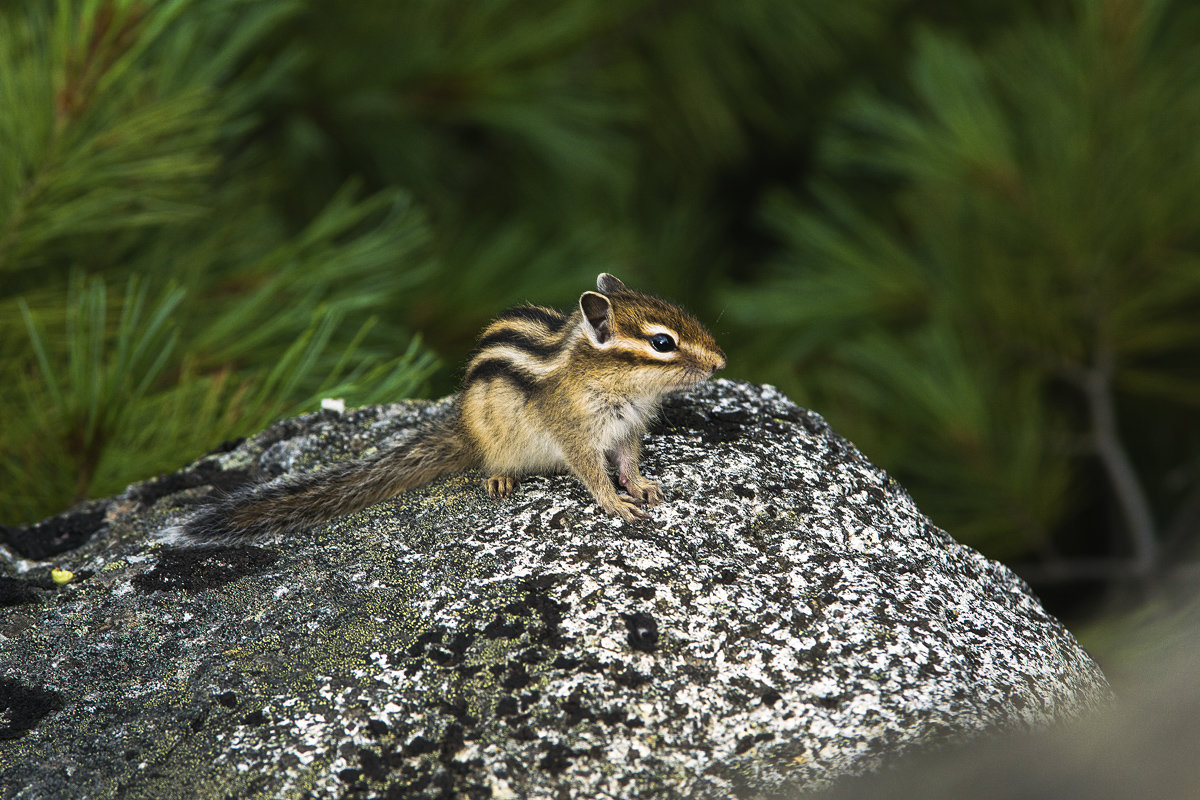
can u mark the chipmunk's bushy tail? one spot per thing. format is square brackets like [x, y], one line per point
[293, 505]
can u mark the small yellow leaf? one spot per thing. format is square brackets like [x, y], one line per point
[62, 576]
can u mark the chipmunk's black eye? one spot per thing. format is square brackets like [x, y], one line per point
[662, 343]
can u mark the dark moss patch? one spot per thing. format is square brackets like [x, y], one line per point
[376, 766]
[255, 719]
[55, 535]
[20, 591]
[714, 427]
[643, 631]
[205, 473]
[631, 678]
[575, 710]
[516, 678]
[450, 652]
[203, 568]
[420, 746]
[558, 757]
[499, 629]
[459, 710]
[506, 706]
[549, 611]
[742, 491]
[22, 707]
[565, 662]
[432, 636]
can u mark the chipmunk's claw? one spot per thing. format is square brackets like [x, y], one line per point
[499, 486]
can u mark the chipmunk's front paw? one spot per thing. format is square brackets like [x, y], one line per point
[499, 486]
[645, 493]
[626, 508]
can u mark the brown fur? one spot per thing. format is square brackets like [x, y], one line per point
[544, 391]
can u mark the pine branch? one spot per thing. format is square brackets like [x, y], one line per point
[1096, 384]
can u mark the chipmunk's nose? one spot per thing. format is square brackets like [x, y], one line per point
[718, 363]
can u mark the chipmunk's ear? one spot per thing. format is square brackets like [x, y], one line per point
[608, 284]
[597, 316]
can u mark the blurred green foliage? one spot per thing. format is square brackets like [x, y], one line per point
[1032, 270]
[156, 299]
[965, 232]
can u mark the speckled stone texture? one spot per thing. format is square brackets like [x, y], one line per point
[787, 618]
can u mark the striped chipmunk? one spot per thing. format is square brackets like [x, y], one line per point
[544, 391]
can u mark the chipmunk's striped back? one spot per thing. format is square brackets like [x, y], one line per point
[521, 347]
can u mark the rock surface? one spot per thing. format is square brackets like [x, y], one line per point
[787, 618]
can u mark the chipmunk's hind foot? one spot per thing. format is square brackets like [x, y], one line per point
[499, 486]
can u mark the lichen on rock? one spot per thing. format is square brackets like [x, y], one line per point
[788, 617]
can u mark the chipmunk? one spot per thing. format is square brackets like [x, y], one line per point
[544, 391]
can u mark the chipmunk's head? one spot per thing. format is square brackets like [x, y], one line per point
[644, 344]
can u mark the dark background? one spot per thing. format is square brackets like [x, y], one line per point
[965, 232]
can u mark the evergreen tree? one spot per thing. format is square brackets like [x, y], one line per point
[154, 300]
[1015, 331]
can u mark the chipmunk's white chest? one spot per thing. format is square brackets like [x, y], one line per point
[618, 420]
